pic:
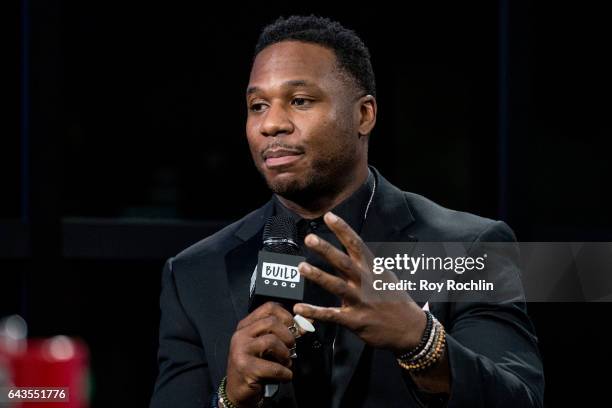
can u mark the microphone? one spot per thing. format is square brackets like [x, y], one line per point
[276, 277]
[280, 235]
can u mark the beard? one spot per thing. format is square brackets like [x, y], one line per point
[326, 176]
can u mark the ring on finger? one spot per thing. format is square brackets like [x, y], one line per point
[295, 330]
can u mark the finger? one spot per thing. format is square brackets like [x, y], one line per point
[269, 371]
[330, 283]
[271, 325]
[322, 314]
[270, 347]
[338, 259]
[265, 310]
[348, 237]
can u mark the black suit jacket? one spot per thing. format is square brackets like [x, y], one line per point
[492, 349]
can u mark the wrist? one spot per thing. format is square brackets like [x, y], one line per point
[225, 401]
[429, 351]
[413, 338]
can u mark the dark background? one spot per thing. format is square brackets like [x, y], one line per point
[122, 142]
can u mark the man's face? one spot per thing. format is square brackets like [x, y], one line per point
[302, 124]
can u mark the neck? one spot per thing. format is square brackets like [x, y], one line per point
[323, 204]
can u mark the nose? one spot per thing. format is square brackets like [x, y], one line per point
[276, 122]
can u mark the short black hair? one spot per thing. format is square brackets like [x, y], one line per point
[352, 54]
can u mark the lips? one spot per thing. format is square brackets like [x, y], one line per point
[281, 157]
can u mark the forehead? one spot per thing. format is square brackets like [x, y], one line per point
[293, 60]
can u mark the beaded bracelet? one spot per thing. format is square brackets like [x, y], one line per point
[435, 349]
[225, 401]
[430, 342]
[428, 346]
[431, 360]
[431, 357]
[426, 334]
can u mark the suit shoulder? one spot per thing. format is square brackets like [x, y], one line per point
[438, 223]
[219, 242]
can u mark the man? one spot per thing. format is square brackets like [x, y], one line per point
[311, 108]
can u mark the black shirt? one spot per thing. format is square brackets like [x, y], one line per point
[313, 366]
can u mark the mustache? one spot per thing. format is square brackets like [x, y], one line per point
[280, 145]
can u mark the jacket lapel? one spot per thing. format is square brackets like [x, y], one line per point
[387, 221]
[239, 270]
[239, 263]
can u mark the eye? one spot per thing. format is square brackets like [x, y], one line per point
[257, 107]
[301, 101]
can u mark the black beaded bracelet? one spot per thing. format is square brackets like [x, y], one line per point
[411, 353]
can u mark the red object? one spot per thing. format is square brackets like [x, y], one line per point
[55, 362]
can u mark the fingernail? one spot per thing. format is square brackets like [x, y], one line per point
[304, 267]
[312, 239]
[331, 217]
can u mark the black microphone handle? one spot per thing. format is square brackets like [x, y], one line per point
[280, 236]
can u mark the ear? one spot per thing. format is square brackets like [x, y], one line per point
[367, 114]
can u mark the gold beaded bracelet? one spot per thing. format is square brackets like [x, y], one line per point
[433, 354]
[432, 358]
[434, 338]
